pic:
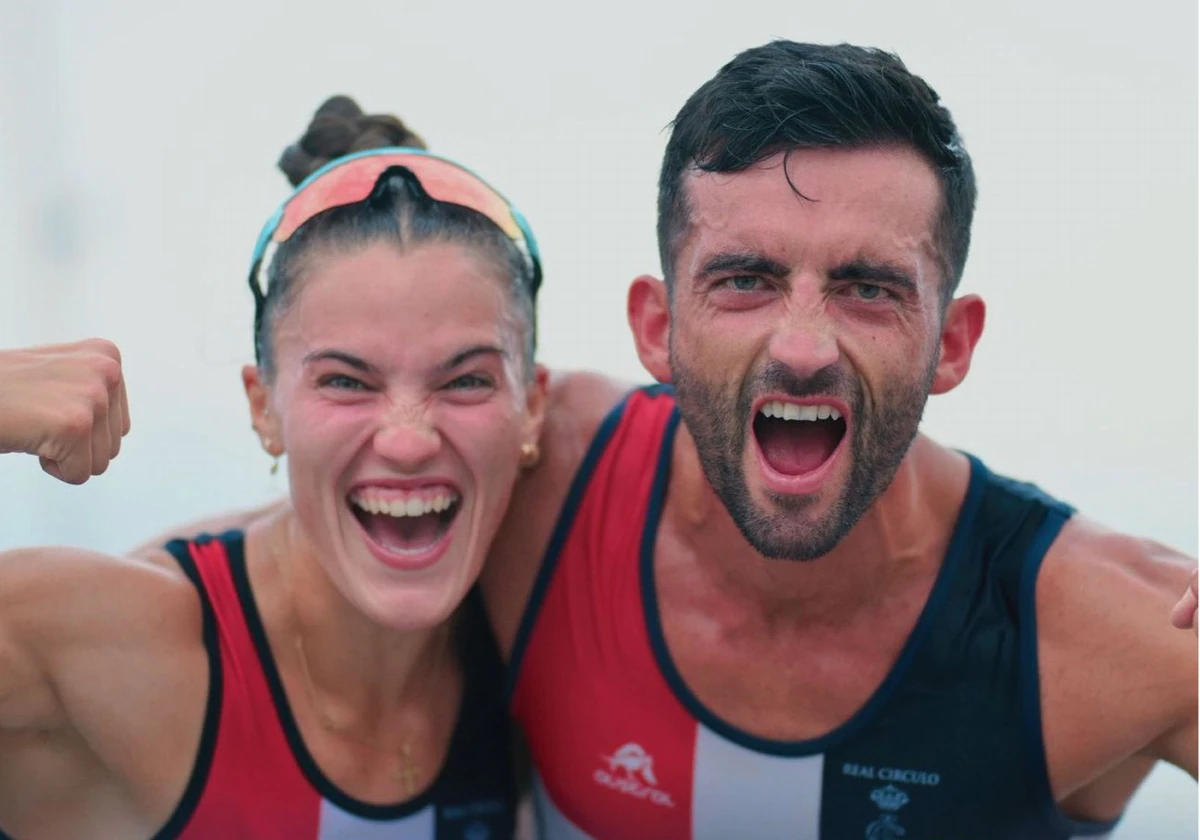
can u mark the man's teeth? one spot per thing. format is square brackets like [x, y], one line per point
[791, 411]
[410, 505]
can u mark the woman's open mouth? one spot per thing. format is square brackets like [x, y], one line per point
[406, 528]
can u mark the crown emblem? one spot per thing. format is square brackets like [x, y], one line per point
[889, 798]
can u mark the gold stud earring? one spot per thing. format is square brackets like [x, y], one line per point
[529, 454]
[275, 466]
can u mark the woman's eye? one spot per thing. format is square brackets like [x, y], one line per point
[469, 381]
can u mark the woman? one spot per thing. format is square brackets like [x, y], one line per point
[327, 671]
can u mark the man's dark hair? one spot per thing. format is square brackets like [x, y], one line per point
[784, 95]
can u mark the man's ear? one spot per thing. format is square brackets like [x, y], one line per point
[649, 314]
[961, 329]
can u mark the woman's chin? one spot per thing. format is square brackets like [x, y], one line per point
[415, 605]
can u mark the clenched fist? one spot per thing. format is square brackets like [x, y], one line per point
[66, 404]
[1184, 613]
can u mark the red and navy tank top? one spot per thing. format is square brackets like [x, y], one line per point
[254, 779]
[949, 746]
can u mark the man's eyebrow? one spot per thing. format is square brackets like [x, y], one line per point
[871, 271]
[749, 262]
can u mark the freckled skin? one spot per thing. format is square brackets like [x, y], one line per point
[390, 364]
[791, 650]
[406, 313]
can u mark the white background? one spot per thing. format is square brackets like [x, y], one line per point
[137, 150]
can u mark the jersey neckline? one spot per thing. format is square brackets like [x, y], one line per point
[235, 548]
[956, 549]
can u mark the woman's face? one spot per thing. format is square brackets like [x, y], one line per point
[401, 401]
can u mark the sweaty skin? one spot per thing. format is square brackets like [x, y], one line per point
[791, 650]
[104, 675]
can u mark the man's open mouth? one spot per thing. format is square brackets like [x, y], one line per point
[405, 522]
[798, 438]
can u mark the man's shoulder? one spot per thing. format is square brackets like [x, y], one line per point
[1108, 652]
[576, 405]
[1091, 567]
[577, 402]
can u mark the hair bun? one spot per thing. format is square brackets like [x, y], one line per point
[338, 128]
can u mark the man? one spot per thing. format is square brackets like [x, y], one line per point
[756, 603]
[790, 615]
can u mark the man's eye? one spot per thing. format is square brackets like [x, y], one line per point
[341, 382]
[744, 284]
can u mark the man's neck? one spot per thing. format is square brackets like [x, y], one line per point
[901, 540]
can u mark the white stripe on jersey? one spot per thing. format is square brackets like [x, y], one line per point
[553, 824]
[731, 783]
[336, 824]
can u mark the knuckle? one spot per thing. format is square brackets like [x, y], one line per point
[110, 371]
[96, 396]
[104, 347]
[77, 421]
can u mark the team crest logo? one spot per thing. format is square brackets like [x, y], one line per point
[631, 771]
[889, 798]
[885, 828]
[477, 831]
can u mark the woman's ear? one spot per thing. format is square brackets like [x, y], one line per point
[263, 420]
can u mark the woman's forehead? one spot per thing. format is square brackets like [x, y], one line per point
[430, 300]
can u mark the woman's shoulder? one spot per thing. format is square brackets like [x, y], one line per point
[154, 550]
[72, 605]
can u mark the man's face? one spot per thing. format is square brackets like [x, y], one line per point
[804, 335]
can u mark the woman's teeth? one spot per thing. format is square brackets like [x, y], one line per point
[398, 504]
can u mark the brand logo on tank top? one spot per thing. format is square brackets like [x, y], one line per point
[630, 770]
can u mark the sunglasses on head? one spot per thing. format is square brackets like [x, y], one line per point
[353, 178]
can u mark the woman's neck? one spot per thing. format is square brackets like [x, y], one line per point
[358, 672]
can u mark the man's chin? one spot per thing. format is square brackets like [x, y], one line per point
[786, 527]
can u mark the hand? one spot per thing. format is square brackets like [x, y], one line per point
[66, 404]
[1183, 615]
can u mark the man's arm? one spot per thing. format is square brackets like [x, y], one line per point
[1118, 680]
[576, 404]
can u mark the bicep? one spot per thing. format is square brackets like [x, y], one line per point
[30, 581]
[1117, 678]
[1178, 746]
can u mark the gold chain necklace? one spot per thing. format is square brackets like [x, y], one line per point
[409, 772]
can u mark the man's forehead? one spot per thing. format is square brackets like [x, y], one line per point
[822, 174]
[887, 195]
